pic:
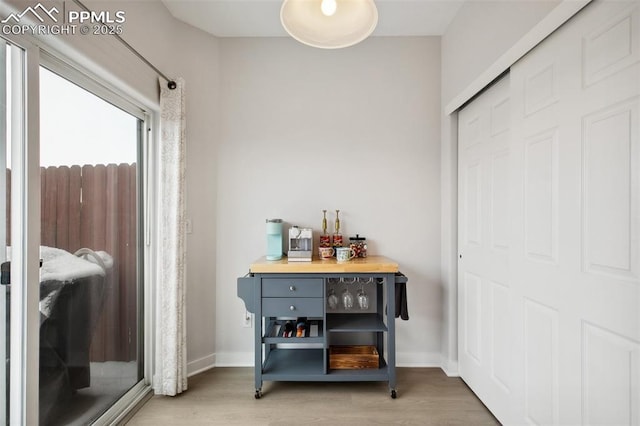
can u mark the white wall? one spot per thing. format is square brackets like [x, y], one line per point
[305, 129]
[480, 33]
[180, 50]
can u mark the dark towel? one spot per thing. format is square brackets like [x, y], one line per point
[401, 301]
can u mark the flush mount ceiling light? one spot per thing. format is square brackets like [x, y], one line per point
[329, 24]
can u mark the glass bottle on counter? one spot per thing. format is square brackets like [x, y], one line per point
[359, 245]
[337, 236]
[325, 239]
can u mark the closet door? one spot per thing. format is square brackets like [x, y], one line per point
[485, 329]
[576, 227]
[551, 328]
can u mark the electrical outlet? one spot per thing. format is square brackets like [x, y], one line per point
[246, 319]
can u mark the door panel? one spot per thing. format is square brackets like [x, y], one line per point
[573, 217]
[580, 186]
[473, 317]
[609, 138]
[541, 197]
[608, 395]
[485, 358]
[540, 363]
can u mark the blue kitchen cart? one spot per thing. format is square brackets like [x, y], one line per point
[281, 292]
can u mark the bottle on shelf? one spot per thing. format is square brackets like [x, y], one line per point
[288, 329]
[301, 327]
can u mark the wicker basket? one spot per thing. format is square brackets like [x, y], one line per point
[353, 357]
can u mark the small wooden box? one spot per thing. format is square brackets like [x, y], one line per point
[353, 357]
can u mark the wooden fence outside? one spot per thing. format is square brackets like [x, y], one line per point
[95, 207]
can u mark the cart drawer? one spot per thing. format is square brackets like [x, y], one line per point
[292, 287]
[292, 307]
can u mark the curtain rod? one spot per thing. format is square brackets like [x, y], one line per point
[171, 84]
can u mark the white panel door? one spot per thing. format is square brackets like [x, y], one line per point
[575, 234]
[484, 294]
[565, 297]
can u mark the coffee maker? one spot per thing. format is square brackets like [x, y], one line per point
[300, 244]
[274, 239]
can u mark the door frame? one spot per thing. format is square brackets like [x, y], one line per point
[25, 232]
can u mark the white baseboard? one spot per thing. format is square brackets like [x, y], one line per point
[234, 359]
[417, 359]
[450, 368]
[202, 364]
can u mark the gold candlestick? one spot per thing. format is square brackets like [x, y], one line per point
[324, 222]
[337, 237]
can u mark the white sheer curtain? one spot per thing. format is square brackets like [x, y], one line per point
[170, 377]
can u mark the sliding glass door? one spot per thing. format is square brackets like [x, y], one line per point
[71, 248]
[89, 282]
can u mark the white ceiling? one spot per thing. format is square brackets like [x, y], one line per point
[261, 18]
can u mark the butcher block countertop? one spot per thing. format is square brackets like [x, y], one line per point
[369, 264]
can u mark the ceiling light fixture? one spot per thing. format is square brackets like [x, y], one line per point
[329, 24]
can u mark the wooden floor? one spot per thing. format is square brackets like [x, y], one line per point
[225, 396]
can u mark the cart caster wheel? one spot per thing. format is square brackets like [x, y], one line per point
[394, 395]
[258, 394]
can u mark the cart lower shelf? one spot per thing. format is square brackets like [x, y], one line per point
[311, 365]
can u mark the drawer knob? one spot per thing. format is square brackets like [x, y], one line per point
[292, 288]
[292, 308]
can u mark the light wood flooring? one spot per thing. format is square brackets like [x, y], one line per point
[225, 396]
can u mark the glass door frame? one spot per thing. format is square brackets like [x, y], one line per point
[25, 233]
[89, 82]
